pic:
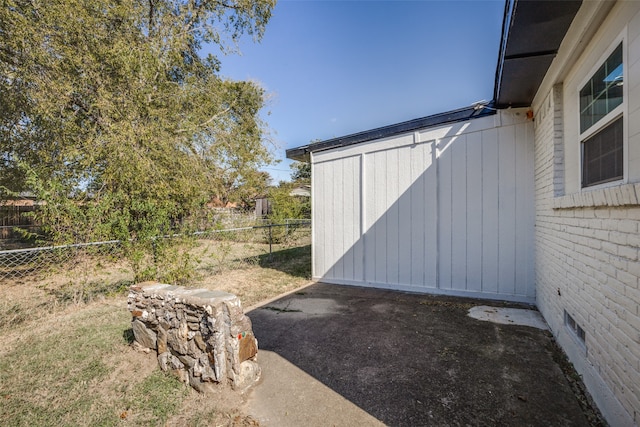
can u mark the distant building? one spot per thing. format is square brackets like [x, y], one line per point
[263, 207]
[301, 190]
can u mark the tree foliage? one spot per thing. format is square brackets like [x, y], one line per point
[110, 115]
[285, 206]
[301, 172]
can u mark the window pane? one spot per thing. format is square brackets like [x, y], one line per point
[585, 109]
[603, 92]
[602, 156]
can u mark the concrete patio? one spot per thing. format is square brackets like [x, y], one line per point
[343, 356]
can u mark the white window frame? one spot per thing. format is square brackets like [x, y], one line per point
[620, 111]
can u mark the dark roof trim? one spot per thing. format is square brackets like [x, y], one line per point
[460, 115]
[532, 32]
[531, 55]
[506, 23]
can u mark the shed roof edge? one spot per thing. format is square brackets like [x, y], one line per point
[460, 115]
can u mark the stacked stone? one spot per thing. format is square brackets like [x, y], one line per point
[202, 336]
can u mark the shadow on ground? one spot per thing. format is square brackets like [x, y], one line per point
[295, 261]
[412, 360]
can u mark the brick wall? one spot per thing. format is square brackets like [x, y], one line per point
[587, 250]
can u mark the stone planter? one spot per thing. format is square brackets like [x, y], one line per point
[202, 336]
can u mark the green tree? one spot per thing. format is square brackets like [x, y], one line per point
[110, 115]
[301, 172]
[253, 185]
[285, 206]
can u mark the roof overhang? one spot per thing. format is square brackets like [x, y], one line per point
[531, 35]
[464, 114]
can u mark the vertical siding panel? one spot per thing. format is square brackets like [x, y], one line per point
[490, 228]
[316, 220]
[507, 210]
[431, 205]
[417, 166]
[350, 222]
[459, 213]
[524, 210]
[474, 212]
[358, 235]
[380, 226]
[320, 186]
[393, 216]
[327, 214]
[370, 215]
[406, 225]
[320, 223]
[337, 231]
[330, 215]
[444, 189]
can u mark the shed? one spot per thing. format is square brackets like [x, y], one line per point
[443, 204]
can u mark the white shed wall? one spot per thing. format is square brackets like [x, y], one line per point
[443, 210]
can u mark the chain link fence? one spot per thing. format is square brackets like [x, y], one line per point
[17, 263]
[20, 263]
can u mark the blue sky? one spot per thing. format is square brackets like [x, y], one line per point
[332, 68]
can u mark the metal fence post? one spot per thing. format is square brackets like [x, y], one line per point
[270, 242]
[155, 251]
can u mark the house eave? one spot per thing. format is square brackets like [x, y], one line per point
[531, 36]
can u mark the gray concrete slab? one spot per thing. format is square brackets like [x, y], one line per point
[509, 316]
[344, 356]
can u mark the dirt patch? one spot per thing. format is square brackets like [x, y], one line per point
[219, 408]
[575, 382]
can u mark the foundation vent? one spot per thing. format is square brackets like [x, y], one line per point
[573, 326]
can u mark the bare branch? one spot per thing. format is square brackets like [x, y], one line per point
[206, 122]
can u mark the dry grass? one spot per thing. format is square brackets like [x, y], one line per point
[66, 357]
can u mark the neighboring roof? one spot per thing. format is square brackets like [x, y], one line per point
[531, 35]
[532, 31]
[301, 190]
[463, 114]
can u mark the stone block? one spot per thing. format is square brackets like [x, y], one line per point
[249, 375]
[201, 336]
[248, 346]
[197, 339]
[143, 335]
[161, 340]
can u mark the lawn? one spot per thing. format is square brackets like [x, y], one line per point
[67, 358]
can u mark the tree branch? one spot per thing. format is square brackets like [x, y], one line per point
[151, 16]
[206, 122]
